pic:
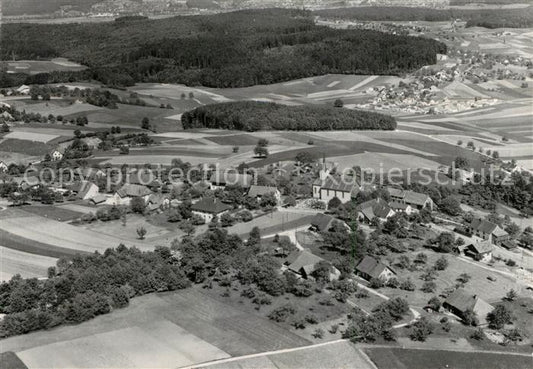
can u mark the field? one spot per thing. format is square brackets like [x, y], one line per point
[334, 355]
[25, 147]
[62, 235]
[35, 67]
[157, 330]
[395, 358]
[58, 213]
[27, 265]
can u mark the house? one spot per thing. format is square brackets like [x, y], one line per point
[460, 301]
[399, 207]
[304, 263]
[322, 222]
[221, 179]
[370, 268]
[508, 244]
[487, 230]
[128, 191]
[57, 154]
[85, 190]
[327, 187]
[260, 191]
[92, 142]
[3, 167]
[98, 199]
[375, 208]
[480, 251]
[418, 201]
[209, 207]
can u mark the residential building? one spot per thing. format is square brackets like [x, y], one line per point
[323, 222]
[487, 230]
[3, 167]
[400, 207]
[98, 199]
[57, 154]
[304, 263]
[375, 208]
[370, 268]
[460, 301]
[209, 207]
[85, 190]
[221, 179]
[418, 201]
[128, 191]
[480, 251]
[260, 191]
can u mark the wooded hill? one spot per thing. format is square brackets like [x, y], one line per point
[236, 49]
[254, 116]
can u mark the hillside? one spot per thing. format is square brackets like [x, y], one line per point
[254, 116]
[31, 7]
[489, 18]
[236, 49]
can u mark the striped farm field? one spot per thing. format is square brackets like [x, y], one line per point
[62, 235]
[31, 136]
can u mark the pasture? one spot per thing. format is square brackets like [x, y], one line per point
[25, 147]
[31, 136]
[23, 263]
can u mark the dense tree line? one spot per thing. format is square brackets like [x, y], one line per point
[489, 18]
[254, 116]
[236, 49]
[86, 286]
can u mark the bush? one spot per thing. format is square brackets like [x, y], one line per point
[478, 334]
[281, 314]
[441, 263]
[318, 333]
[421, 329]
[428, 287]
[311, 319]
[376, 283]
[407, 285]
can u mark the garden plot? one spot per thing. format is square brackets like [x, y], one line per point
[23, 263]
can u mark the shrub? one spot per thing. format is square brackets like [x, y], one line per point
[282, 313]
[407, 285]
[421, 329]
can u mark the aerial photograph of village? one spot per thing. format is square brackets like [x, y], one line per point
[266, 184]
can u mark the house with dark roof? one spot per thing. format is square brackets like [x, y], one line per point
[128, 191]
[304, 263]
[487, 230]
[259, 191]
[327, 187]
[209, 207]
[375, 208]
[370, 268]
[418, 201]
[480, 251]
[221, 179]
[460, 301]
[321, 222]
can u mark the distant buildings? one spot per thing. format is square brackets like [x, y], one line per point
[304, 264]
[480, 251]
[327, 187]
[221, 179]
[259, 191]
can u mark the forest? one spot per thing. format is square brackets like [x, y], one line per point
[488, 18]
[254, 116]
[235, 49]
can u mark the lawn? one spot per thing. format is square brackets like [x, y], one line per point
[272, 223]
[397, 358]
[10, 360]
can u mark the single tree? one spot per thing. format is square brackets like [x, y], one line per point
[141, 232]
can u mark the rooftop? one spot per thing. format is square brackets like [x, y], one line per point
[210, 205]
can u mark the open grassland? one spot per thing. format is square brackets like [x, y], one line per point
[59, 213]
[170, 330]
[397, 358]
[27, 265]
